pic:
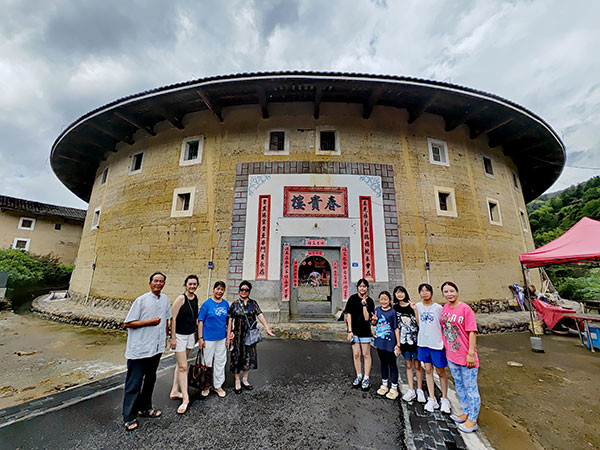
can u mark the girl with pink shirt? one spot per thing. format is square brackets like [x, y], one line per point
[460, 341]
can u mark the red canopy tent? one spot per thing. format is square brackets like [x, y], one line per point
[580, 244]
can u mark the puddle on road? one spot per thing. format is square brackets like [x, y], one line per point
[54, 356]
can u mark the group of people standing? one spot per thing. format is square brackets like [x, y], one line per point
[216, 326]
[423, 333]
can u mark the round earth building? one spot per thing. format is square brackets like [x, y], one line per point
[304, 183]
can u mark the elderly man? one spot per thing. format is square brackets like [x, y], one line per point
[147, 326]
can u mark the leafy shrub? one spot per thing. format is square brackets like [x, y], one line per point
[581, 288]
[26, 270]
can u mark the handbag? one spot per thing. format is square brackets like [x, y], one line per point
[253, 336]
[200, 376]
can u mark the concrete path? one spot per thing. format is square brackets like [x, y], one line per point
[302, 398]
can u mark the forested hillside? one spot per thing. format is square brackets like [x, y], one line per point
[550, 216]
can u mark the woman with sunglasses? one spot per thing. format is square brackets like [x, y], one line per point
[244, 314]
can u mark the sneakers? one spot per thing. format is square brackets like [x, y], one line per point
[464, 429]
[445, 406]
[383, 389]
[457, 419]
[421, 396]
[366, 384]
[409, 395]
[357, 381]
[431, 404]
[393, 394]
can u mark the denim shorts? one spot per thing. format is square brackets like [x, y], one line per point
[432, 356]
[409, 355]
[362, 340]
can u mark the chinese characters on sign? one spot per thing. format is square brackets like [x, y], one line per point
[366, 237]
[345, 274]
[295, 276]
[315, 201]
[335, 274]
[285, 275]
[315, 253]
[316, 242]
[262, 240]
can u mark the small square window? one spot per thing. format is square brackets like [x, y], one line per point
[494, 211]
[21, 244]
[276, 141]
[515, 180]
[26, 223]
[136, 163]
[488, 168]
[57, 226]
[523, 217]
[183, 202]
[438, 152]
[96, 219]
[445, 203]
[191, 150]
[328, 141]
[104, 176]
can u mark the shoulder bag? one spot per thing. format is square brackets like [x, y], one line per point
[199, 375]
[253, 336]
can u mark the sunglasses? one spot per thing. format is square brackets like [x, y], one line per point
[244, 290]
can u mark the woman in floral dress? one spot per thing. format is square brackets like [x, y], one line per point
[244, 314]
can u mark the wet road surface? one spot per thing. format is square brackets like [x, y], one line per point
[302, 399]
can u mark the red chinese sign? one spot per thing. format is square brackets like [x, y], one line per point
[285, 275]
[335, 274]
[315, 201]
[366, 236]
[315, 253]
[295, 274]
[315, 242]
[262, 239]
[345, 273]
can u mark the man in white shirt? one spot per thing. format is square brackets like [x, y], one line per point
[147, 327]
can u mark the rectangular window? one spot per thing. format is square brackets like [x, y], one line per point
[438, 152]
[328, 141]
[183, 202]
[523, 216]
[515, 180]
[21, 244]
[96, 219]
[191, 150]
[104, 176]
[26, 223]
[136, 163]
[488, 169]
[276, 141]
[494, 211]
[445, 203]
[57, 226]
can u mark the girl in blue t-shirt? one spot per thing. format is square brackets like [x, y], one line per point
[387, 337]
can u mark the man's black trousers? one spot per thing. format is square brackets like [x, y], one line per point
[139, 384]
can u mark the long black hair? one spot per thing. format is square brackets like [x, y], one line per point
[400, 289]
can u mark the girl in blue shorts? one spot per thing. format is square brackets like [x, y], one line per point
[430, 347]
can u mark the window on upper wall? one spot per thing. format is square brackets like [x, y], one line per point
[21, 244]
[183, 202]
[488, 168]
[328, 141]
[494, 211]
[515, 180]
[104, 176]
[277, 143]
[523, 216]
[445, 202]
[191, 150]
[96, 219]
[135, 165]
[57, 226]
[438, 152]
[26, 223]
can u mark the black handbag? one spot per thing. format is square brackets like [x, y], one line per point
[200, 376]
[253, 336]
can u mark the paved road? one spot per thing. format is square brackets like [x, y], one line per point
[301, 399]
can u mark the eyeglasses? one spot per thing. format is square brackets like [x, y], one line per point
[244, 290]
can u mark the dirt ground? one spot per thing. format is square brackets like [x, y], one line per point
[550, 402]
[40, 357]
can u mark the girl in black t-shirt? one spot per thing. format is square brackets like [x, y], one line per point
[408, 323]
[359, 311]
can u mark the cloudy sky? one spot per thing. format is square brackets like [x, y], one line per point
[62, 58]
